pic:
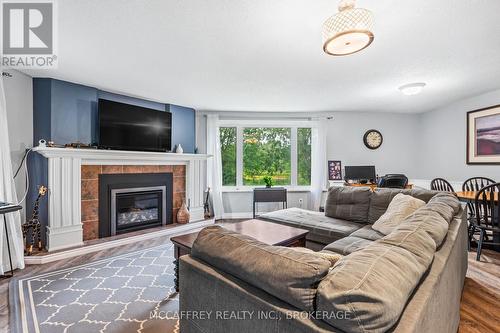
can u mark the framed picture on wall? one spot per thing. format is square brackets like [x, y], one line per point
[483, 136]
[334, 170]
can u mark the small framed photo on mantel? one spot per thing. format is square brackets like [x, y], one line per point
[334, 170]
[483, 136]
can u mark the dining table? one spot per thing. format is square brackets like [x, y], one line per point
[470, 197]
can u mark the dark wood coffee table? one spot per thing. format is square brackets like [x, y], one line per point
[266, 232]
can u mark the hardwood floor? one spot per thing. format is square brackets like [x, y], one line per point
[480, 307]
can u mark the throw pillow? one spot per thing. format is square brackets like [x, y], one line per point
[400, 208]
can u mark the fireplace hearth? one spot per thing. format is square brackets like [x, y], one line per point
[130, 202]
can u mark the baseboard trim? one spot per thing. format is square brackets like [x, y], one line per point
[74, 252]
[242, 215]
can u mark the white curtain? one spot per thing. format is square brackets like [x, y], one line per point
[214, 164]
[8, 194]
[318, 164]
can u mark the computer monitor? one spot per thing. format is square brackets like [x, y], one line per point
[360, 172]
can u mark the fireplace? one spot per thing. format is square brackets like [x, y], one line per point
[130, 202]
[137, 208]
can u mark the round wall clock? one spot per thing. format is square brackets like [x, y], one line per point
[373, 139]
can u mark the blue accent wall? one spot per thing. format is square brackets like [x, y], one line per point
[74, 113]
[183, 128]
[38, 175]
[66, 112]
[130, 100]
[42, 101]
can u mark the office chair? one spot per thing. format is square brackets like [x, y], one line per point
[393, 181]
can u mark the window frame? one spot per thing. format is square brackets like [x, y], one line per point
[242, 124]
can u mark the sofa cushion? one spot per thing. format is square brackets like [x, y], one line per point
[348, 245]
[348, 203]
[445, 204]
[328, 255]
[401, 207]
[322, 229]
[434, 218]
[372, 286]
[367, 232]
[382, 197]
[290, 275]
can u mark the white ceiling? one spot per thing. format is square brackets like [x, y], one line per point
[262, 55]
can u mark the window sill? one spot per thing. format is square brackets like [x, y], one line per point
[249, 189]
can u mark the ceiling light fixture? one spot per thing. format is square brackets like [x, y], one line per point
[412, 88]
[349, 31]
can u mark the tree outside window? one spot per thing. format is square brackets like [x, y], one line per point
[265, 151]
[228, 155]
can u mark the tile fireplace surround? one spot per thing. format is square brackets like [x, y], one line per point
[90, 190]
[73, 186]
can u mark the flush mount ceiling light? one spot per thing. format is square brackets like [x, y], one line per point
[412, 88]
[349, 31]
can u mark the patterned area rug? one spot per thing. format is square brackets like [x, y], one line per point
[133, 292]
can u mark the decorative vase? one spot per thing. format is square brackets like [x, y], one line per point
[179, 149]
[183, 214]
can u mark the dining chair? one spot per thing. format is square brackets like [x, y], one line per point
[487, 217]
[441, 184]
[474, 184]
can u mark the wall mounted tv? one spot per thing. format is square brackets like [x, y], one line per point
[129, 127]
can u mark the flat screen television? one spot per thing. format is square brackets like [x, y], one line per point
[363, 172]
[129, 127]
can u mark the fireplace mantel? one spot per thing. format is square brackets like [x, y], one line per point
[102, 156]
[64, 228]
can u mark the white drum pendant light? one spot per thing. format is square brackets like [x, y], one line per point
[349, 31]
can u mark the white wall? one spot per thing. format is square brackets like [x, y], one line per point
[239, 204]
[19, 100]
[398, 153]
[443, 145]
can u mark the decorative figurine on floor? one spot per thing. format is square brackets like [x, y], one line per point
[34, 225]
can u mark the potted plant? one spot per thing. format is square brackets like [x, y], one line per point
[268, 180]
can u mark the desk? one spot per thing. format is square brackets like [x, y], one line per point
[269, 194]
[374, 186]
[3, 211]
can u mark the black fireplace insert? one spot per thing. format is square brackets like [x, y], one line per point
[130, 202]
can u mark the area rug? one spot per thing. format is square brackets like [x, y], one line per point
[133, 292]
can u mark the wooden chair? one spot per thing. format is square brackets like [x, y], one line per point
[440, 184]
[474, 184]
[487, 217]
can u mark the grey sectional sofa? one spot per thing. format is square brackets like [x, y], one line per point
[407, 281]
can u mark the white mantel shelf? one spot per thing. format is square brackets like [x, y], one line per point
[64, 227]
[103, 156]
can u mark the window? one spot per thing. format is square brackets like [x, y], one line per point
[228, 155]
[304, 156]
[250, 153]
[266, 152]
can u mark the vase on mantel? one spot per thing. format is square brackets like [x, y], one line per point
[183, 214]
[179, 149]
